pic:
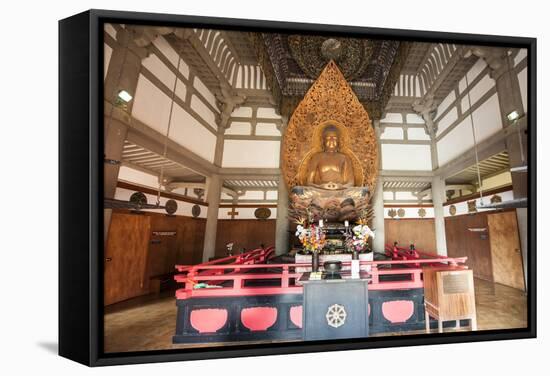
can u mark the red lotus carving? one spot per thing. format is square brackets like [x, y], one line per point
[398, 311]
[258, 318]
[208, 320]
[296, 315]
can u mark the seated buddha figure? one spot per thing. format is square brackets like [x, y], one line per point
[328, 191]
[329, 169]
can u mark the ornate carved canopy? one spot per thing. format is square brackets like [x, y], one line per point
[330, 100]
[292, 62]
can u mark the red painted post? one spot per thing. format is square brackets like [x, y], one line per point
[285, 279]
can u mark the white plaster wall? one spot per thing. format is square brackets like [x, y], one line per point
[417, 134]
[189, 133]
[160, 70]
[167, 50]
[138, 177]
[462, 85]
[267, 129]
[245, 153]
[184, 208]
[455, 142]
[252, 195]
[181, 90]
[205, 92]
[406, 157]
[242, 112]
[414, 119]
[487, 119]
[447, 120]
[483, 86]
[392, 133]
[203, 111]
[445, 103]
[405, 196]
[476, 69]
[271, 195]
[151, 105]
[268, 113]
[239, 128]
[388, 195]
[157, 67]
[392, 118]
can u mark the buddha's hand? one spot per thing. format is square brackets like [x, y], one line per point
[332, 186]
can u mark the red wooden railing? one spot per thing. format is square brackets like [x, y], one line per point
[259, 255]
[230, 279]
[402, 253]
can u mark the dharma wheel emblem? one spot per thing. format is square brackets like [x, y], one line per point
[336, 315]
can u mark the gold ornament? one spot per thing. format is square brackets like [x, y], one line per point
[472, 206]
[400, 212]
[421, 212]
[496, 199]
[452, 210]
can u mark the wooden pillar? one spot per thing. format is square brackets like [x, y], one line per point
[438, 199]
[282, 224]
[378, 200]
[509, 99]
[378, 221]
[122, 74]
[213, 196]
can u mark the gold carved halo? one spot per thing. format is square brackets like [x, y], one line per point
[330, 100]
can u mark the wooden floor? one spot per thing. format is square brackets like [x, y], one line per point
[148, 323]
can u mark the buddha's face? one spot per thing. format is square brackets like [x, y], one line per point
[331, 141]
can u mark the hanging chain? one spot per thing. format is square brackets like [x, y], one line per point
[161, 178]
[475, 140]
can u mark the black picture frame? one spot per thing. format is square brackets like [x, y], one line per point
[80, 181]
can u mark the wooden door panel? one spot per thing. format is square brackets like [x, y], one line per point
[506, 250]
[475, 245]
[125, 257]
[163, 246]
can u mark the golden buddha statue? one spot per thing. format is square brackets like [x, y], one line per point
[328, 189]
[330, 169]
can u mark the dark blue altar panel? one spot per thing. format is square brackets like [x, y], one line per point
[335, 309]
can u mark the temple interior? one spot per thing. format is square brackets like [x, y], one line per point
[240, 165]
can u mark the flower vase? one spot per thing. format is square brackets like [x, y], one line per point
[315, 262]
[355, 266]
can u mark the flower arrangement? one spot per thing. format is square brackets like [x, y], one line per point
[311, 236]
[357, 239]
